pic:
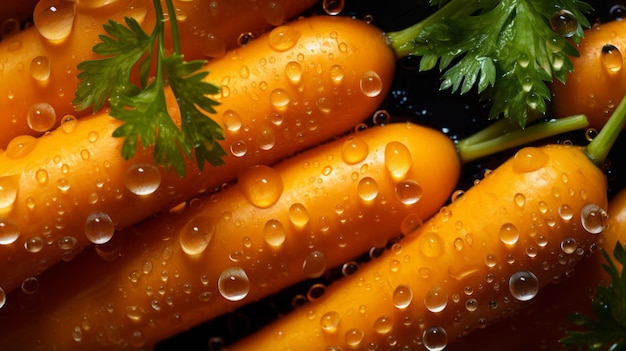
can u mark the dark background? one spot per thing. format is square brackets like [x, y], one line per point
[414, 96]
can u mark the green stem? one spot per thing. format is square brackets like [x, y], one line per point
[488, 142]
[174, 26]
[402, 41]
[598, 149]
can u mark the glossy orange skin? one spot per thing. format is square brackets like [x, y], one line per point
[88, 158]
[343, 221]
[598, 82]
[207, 29]
[460, 251]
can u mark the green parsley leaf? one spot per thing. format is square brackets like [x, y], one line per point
[143, 108]
[506, 49]
[608, 330]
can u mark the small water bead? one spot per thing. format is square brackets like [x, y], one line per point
[569, 245]
[142, 179]
[239, 148]
[533, 100]
[316, 291]
[68, 123]
[30, 285]
[435, 338]
[566, 212]
[381, 117]
[298, 215]
[397, 159]
[336, 73]
[349, 268]
[593, 218]
[293, 71]
[274, 233]
[354, 337]
[314, 264]
[261, 185]
[233, 284]
[231, 120]
[471, 305]
[367, 189]
[20, 146]
[409, 191]
[564, 23]
[436, 299]
[279, 98]
[431, 245]
[354, 150]
[330, 321]
[611, 58]
[54, 19]
[333, 7]
[617, 11]
[402, 296]
[9, 231]
[40, 68]
[523, 285]
[216, 343]
[195, 236]
[509, 234]
[529, 159]
[99, 227]
[371, 84]
[66, 242]
[245, 38]
[283, 38]
[274, 13]
[34, 244]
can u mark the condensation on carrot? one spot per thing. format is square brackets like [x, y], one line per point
[598, 81]
[295, 87]
[485, 255]
[38, 75]
[274, 227]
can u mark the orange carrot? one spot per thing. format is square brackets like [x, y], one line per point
[598, 82]
[275, 227]
[38, 75]
[273, 103]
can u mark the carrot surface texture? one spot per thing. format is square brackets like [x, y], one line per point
[296, 86]
[476, 261]
[275, 227]
[597, 82]
[39, 64]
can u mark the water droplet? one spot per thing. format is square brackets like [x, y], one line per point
[66, 242]
[280, 99]
[354, 337]
[566, 212]
[593, 218]
[402, 296]
[54, 19]
[611, 58]
[471, 304]
[509, 234]
[564, 23]
[293, 71]
[397, 159]
[9, 231]
[523, 285]
[274, 233]
[20, 146]
[519, 199]
[569, 245]
[371, 84]
[68, 123]
[298, 215]
[34, 244]
[431, 245]
[233, 284]
[283, 38]
[261, 185]
[231, 120]
[523, 60]
[142, 179]
[330, 321]
[8, 190]
[196, 234]
[333, 7]
[274, 13]
[99, 227]
[436, 299]
[367, 189]
[409, 191]
[617, 11]
[533, 100]
[245, 38]
[354, 150]
[40, 68]
[435, 338]
[336, 73]
[30, 285]
[239, 148]
[529, 159]
[314, 264]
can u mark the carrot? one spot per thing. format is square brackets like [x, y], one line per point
[476, 261]
[274, 227]
[547, 318]
[55, 185]
[597, 82]
[38, 76]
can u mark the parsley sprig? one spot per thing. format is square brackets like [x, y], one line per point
[608, 330]
[507, 49]
[143, 108]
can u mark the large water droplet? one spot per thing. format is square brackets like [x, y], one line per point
[261, 185]
[40, 68]
[409, 191]
[41, 117]
[9, 231]
[367, 189]
[99, 227]
[293, 71]
[8, 190]
[564, 23]
[274, 233]
[509, 234]
[283, 38]
[314, 264]
[611, 58]
[274, 13]
[233, 284]
[436, 299]
[298, 215]
[593, 218]
[336, 73]
[232, 120]
[142, 179]
[196, 234]
[54, 19]
[333, 7]
[354, 150]
[330, 321]
[529, 159]
[435, 338]
[371, 84]
[431, 245]
[397, 159]
[523, 285]
[279, 98]
[402, 296]
[20, 146]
